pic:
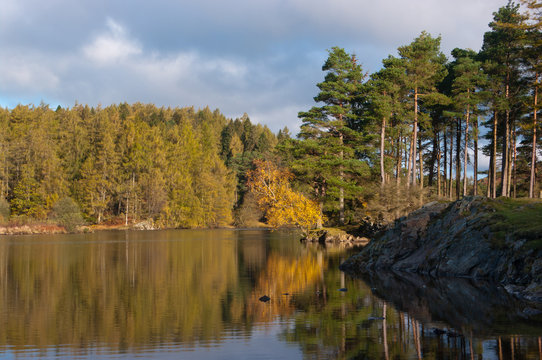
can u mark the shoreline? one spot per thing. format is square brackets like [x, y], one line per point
[54, 229]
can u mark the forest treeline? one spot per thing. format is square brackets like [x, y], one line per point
[379, 144]
[178, 167]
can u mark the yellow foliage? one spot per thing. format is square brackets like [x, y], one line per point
[282, 205]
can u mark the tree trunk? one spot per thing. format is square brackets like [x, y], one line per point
[445, 192]
[465, 157]
[420, 154]
[505, 153]
[415, 136]
[321, 206]
[494, 154]
[451, 161]
[475, 172]
[533, 152]
[438, 164]
[382, 137]
[341, 189]
[399, 161]
[489, 192]
[514, 178]
[434, 152]
[409, 163]
[458, 160]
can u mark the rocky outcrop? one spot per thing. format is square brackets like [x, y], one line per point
[457, 239]
[335, 237]
[145, 225]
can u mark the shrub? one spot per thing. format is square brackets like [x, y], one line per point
[67, 213]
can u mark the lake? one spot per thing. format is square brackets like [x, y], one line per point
[194, 294]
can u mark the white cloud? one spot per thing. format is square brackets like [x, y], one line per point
[112, 46]
[26, 71]
[277, 118]
[261, 57]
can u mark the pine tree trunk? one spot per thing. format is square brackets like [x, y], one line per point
[465, 157]
[458, 160]
[420, 154]
[438, 164]
[489, 193]
[382, 137]
[451, 161]
[494, 154]
[533, 152]
[409, 162]
[399, 161]
[505, 153]
[475, 172]
[431, 177]
[445, 136]
[414, 136]
[341, 189]
[514, 177]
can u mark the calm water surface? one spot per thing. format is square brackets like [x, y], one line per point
[187, 294]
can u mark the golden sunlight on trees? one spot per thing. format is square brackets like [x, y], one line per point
[282, 205]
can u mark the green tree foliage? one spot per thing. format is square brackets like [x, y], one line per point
[329, 157]
[501, 52]
[126, 163]
[424, 68]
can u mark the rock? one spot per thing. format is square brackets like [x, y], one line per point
[264, 298]
[145, 225]
[455, 239]
[334, 237]
[343, 289]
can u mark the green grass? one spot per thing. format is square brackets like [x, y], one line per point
[520, 218]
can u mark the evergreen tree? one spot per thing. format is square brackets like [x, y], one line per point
[424, 68]
[500, 51]
[330, 127]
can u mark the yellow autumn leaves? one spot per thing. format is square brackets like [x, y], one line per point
[282, 205]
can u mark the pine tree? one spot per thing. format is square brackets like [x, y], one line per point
[330, 126]
[424, 68]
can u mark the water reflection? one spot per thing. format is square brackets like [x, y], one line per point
[196, 293]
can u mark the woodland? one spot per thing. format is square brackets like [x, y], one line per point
[377, 145]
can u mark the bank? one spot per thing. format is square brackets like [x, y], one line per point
[495, 239]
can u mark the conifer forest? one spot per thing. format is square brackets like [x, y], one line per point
[377, 145]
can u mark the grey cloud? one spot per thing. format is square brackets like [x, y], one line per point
[259, 57]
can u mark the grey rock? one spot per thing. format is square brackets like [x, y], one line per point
[453, 239]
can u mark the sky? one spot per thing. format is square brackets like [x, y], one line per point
[260, 57]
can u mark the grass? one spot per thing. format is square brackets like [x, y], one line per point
[520, 218]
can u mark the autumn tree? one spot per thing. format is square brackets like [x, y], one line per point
[281, 205]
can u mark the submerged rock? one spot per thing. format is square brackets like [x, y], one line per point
[264, 298]
[462, 239]
[334, 236]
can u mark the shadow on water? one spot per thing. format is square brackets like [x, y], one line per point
[469, 306]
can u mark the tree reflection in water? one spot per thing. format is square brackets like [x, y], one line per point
[134, 292]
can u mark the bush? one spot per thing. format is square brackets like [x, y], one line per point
[4, 210]
[67, 213]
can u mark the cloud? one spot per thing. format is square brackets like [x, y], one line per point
[112, 46]
[261, 57]
[26, 71]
